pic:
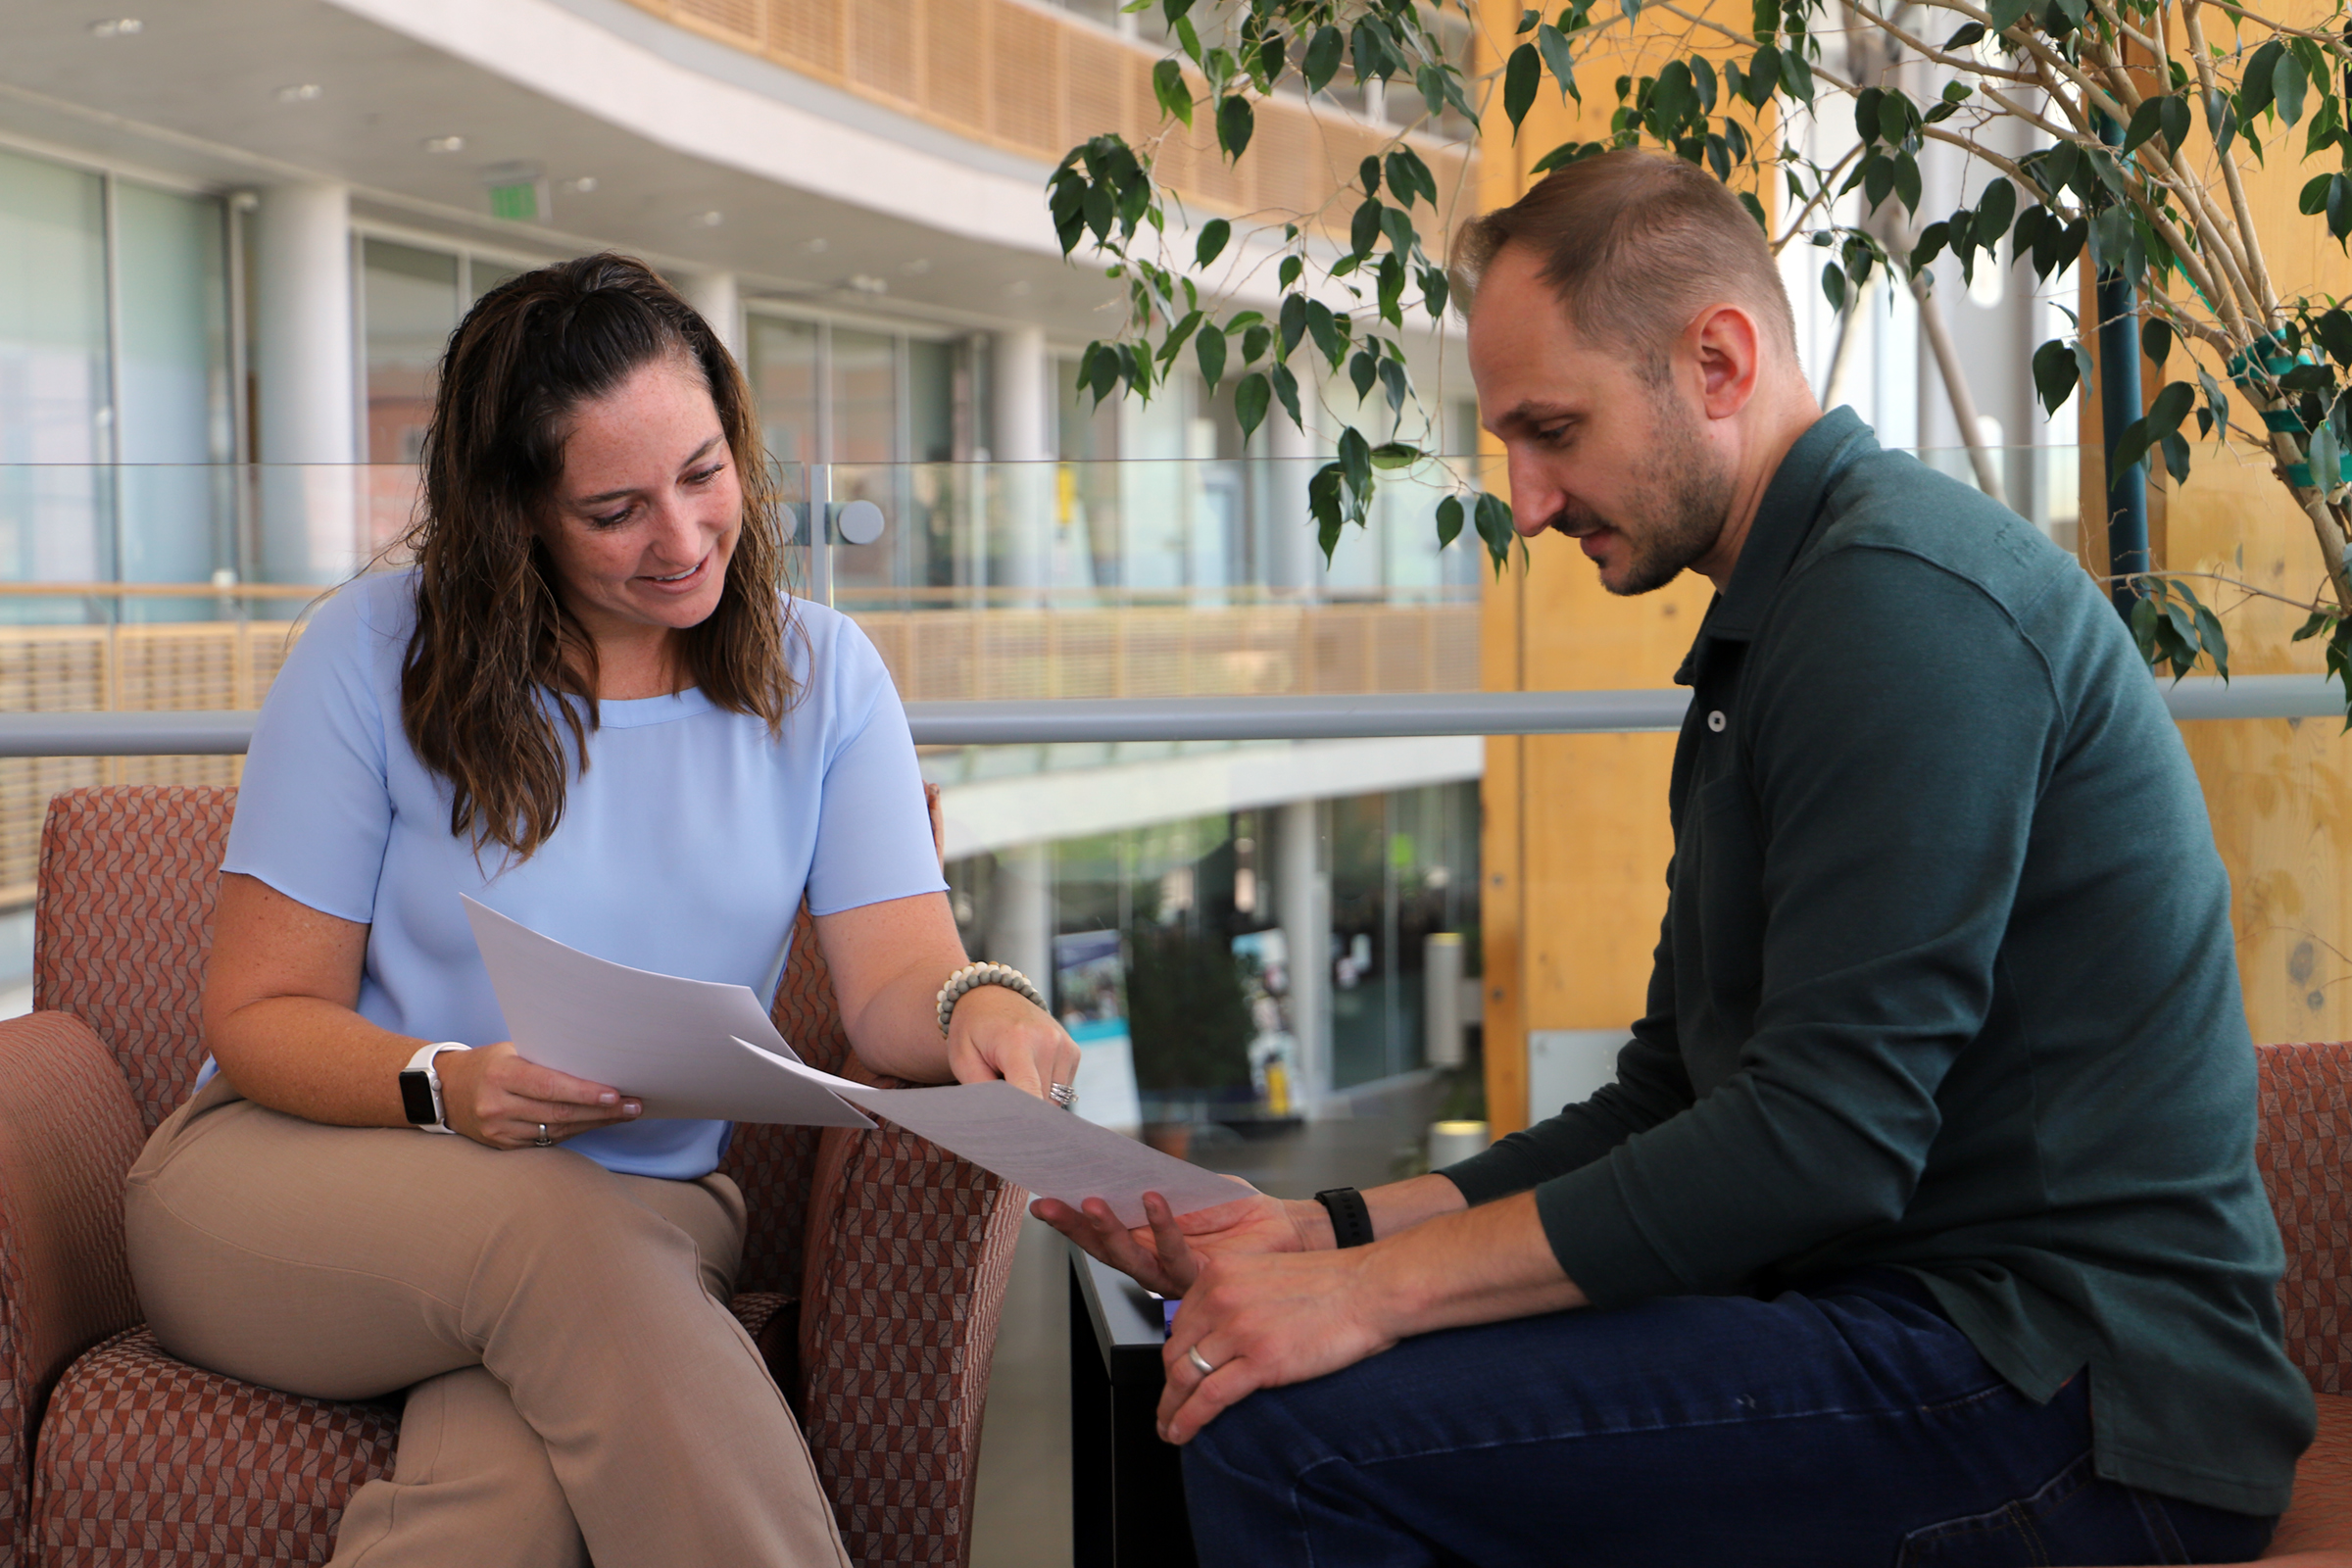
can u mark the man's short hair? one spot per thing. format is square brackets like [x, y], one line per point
[1634, 244]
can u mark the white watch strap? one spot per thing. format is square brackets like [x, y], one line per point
[423, 1063]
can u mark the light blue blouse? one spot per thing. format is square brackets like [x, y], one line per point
[685, 844]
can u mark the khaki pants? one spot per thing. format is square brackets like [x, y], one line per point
[577, 1385]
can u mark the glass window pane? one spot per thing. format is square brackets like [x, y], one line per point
[481, 277]
[412, 306]
[53, 379]
[178, 519]
[866, 397]
[784, 383]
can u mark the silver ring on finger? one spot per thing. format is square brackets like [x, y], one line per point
[1200, 1363]
[543, 1141]
[1063, 1095]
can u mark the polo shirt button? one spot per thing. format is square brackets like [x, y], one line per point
[1715, 722]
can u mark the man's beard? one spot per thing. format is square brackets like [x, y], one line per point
[1678, 508]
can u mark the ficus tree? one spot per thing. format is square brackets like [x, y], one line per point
[2143, 118]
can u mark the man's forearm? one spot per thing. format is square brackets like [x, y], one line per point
[1395, 1207]
[1479, 1265]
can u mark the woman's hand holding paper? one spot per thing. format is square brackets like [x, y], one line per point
[494, 1097]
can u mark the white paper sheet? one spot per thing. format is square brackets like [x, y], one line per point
[1029, 1143]
[668, 1041]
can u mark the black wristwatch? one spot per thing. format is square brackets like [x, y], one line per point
[1350, 1219]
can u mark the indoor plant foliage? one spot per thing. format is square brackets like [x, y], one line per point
[2145, 117]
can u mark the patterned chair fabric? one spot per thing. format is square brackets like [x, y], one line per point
[140, 1459]
[2304, 1147]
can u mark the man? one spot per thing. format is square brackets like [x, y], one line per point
[1920, 1224]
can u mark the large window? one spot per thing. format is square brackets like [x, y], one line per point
[412, 298]
[103, 364]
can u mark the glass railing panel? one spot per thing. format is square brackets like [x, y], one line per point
[1228, 954]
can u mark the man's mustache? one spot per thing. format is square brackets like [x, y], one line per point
[1576, 521]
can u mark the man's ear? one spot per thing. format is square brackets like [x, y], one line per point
[1727, 343]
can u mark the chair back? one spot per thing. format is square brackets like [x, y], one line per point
[2304, 1149]
[122, 923]
[775, 1166]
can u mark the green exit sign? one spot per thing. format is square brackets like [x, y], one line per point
[518, 202]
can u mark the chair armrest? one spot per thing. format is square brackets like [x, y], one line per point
[908, 1252]
[69, 1133]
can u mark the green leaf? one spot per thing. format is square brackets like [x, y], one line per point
[1249, 398]
[2170, 407]
[1255, 342]
[2259, 84]
[1234, 122]
[2288, 82]
[1494, 520]
[1964, 36]
[1906, 181]
[1393, 381]
[1796, 76]
[1355, 460]
[1363, 370]
[2318, 622]
[1409, 177]
[2007, 13]
[2055, 374]
[1363, 230]
[2334, 332]
[1210, 348]
[1450, 521]
[1435, 290]
[2176, 118]
[1323, 503]
[1367, 175]
[1287, 275]
[2146, 121]
[1833, 285]
[1174, 93]
[1995, 210]
[2339, 206]
[1293, 321]
[2156, 340]
[2220, 121]
[1286, 392]
[1214, 235]
[1330, 331]
[1763, 77]
[1552, 44]
[2175, 450]
[1519, 79]
[1395, 455]
[2131, 448]
[1323, 53]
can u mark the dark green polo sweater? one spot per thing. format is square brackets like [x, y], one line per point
[1946, 984]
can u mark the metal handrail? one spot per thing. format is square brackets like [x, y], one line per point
[1180, 719]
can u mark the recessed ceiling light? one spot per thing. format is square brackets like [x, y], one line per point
[914, 269]
[817, 246]
[1018, 288]
[585, 186]
[118, 28]
[867, 283]
[300, 93]
[444, 144]
[710, 220]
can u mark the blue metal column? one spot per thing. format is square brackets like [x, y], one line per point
[2120, 404]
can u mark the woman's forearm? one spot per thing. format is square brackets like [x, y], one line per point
[315, 1060]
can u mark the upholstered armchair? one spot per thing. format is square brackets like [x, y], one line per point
[873, 1273]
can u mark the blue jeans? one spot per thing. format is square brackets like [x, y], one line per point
[1848, 1424]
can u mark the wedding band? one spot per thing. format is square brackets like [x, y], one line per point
[543, 1141]
[1199, 1362]
[1063, 1095]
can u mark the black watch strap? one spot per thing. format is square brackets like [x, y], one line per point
[1351, 1218]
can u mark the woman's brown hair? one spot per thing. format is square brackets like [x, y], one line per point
[493, 638]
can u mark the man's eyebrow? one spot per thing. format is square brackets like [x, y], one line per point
[1527, 413]
[692, 457]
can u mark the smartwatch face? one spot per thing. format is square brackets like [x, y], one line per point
[417, 1099]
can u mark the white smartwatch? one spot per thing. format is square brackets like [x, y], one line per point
[421, 1089]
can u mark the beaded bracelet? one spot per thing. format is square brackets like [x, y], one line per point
[974, 976]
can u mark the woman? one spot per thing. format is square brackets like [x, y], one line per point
[589, 707]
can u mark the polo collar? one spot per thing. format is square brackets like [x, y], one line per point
[1784, 522]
